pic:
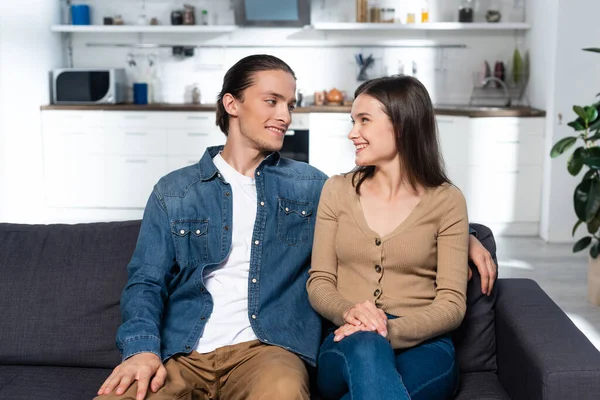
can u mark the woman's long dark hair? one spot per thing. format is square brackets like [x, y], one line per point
[241, 76]
[407, 103]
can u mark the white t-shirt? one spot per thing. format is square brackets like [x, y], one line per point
[228, 283]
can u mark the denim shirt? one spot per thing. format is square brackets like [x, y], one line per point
[186, 228]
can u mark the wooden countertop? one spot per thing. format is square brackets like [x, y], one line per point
[453, 110]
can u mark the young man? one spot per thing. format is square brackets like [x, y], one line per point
[216, 306]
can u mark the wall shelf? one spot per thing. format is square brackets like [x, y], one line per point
[143, 28]
[431, 26]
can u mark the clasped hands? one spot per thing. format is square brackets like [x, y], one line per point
[363, 316]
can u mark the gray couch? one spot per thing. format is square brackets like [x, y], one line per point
[60, 287]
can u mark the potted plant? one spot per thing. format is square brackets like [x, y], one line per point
[586, 198]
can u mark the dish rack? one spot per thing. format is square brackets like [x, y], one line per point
[488, 91]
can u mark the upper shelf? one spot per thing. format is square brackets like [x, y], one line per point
[144, 28]
[430, 26]
[326, 26]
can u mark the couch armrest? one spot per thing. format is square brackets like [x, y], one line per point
[541, 354]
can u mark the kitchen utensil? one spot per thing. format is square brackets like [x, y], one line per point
[189, 17]
[334, 97]
[176, 17]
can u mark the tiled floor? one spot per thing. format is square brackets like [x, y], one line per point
[562, 274]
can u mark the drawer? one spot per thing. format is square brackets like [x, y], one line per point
[509, 126]
[177, 162]
[194, 120]
[69, 140]
[140, 141]
[508, 196]
[72, 120]
[505, 152]
[193, 141]
[136, 119]
[130, 180]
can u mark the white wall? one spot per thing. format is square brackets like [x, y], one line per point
[570, 76]
[27, 52]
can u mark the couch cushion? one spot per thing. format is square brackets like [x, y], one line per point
[475, 339]
[64, 383]
[60, 288]
[481, 386]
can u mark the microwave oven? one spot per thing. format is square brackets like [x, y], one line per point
[88, 86]
[272, 13]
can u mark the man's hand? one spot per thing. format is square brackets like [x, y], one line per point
[140, 367]
[484, 263]
[367, 314]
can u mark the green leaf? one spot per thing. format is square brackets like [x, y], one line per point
[593, 203]
[575, 162]
[591, 157]
[577, 125]
[582, 244]
[577, 224]
[562, 145]
[594, 250]
[591, 113]
[592, 49]
[594, 224]
[595, 126]
[580, 112]
[580, 198]
[591, 174]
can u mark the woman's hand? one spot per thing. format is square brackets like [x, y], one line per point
[347, 330]
[484, 263]
[368, 315]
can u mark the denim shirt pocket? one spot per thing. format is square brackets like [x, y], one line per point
[293, 221]
[191, 240]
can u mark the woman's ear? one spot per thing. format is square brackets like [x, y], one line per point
[230, 104]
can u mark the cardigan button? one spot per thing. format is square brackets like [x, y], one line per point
[377, 242]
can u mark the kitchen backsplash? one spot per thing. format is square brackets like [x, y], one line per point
[448, 73]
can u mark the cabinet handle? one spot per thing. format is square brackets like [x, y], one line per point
[197, 134]
[509, 141]
[131, 161]
[135, 133]
[135, 117]
[198, 118]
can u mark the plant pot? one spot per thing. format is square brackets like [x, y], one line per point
[594, 281]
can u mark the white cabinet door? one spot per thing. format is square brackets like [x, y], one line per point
[73, 165]
[505, 196]
[453, 134]
[131, 179]
[177, 162]
[138, 141]
[193, 141]
[330, 150]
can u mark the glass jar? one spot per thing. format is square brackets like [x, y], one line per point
[425, 12]
[388, 15]
[466, 11]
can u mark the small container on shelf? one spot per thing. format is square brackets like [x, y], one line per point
[388, 15]
[466, 11]
[425, 12]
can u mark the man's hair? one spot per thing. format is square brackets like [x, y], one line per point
[241, 76]
[407, 104]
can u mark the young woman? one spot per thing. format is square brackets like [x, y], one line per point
[389, 262]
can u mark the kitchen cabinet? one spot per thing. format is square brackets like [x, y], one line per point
[497, 163]
[112, 159]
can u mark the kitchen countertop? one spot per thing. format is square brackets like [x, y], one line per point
[454, 110]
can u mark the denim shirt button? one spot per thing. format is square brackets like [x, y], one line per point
[258, 173]
[187, 347]
[227, 194]
[254, 280]
[253, 316]
[262, 203]
[256, 242]
[182, 232]
[202, 318]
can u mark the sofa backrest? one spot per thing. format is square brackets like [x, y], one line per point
[475, 339]
[60, 288]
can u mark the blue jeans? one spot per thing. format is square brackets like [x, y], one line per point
[364, 366]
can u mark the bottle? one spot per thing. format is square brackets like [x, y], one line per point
[425, 12]
[204, 17]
